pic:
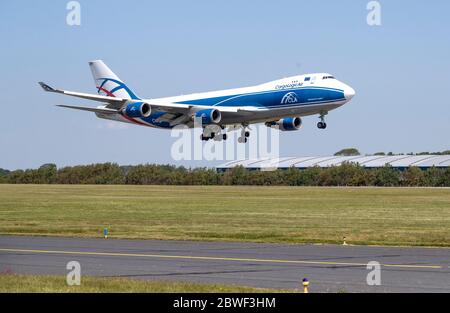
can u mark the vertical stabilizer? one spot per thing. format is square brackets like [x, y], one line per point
[108, 83]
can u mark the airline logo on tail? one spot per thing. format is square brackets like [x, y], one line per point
[114, 88]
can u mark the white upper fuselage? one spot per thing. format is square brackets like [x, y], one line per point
[276, 85]
[306, 95]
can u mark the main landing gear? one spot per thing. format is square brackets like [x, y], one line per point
[245, 134]
[213, 132]
[322, 124]
[214, 136]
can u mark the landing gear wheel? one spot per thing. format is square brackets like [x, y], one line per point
[247, 134]
[321, 125]
[242, 140]
[224, 137]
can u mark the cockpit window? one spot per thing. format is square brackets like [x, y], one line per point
[307, 79]
[329, 77]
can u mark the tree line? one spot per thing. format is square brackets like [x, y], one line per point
[345, 175]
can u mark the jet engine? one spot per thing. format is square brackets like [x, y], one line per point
[287, 124]
[209, 116]
[137, 109]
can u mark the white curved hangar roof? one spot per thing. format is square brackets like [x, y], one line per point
[397, 161]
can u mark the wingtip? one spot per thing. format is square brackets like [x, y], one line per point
[46, 87]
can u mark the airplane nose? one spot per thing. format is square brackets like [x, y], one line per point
[349, 93]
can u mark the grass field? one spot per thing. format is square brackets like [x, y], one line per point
[259, 214]
[32, 283]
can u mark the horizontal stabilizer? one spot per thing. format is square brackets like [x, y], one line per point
[95, 110]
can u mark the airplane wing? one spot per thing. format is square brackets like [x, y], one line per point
[113, 102]
[114, 105]
[110, 100]
[185, 108]
[251, 109]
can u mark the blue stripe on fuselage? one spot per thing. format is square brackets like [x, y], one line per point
[273, 99]
[268, 99]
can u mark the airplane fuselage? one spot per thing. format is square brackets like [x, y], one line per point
[294, 96]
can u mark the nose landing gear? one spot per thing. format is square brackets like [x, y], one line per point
[322, 125]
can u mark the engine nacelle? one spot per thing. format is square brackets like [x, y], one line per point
[209, 116]
[287, 124]
[137, 109]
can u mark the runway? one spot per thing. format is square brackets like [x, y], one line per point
[329, 268]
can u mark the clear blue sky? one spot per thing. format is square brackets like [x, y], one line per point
[400, 70]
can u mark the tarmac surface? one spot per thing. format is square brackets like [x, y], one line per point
[329, 268]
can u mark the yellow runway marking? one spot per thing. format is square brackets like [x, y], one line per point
[207, 258]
